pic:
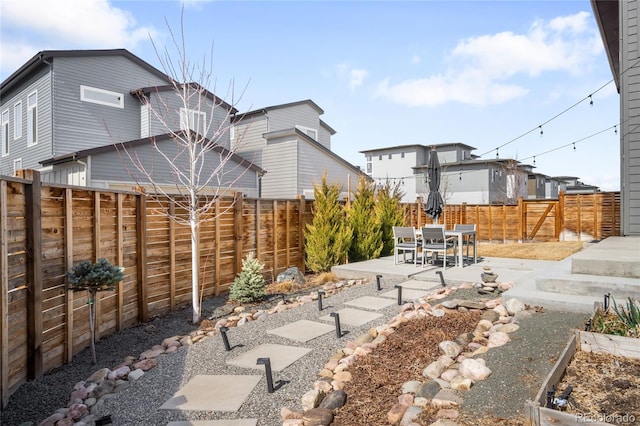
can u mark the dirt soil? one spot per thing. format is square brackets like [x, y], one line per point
[605, 387]
[556, 250]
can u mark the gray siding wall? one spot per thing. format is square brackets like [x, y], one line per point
[109, 169]
[630, 118]
[165, 115]
[30, 155]
[279, 159]
[313, 163]
[81, 125]
[299, 115]
[248, 135]
[324, 137]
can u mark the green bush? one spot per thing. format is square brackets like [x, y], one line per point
[389, 213]
[327, 237]
[366, 241]
[98, 276]
[249, 285]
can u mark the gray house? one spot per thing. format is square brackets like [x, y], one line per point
[465, 177]
[618, 22]
[77, 115]
[293, 144]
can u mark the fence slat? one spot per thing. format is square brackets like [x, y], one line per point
[34, 277]
[141, 258]
[68, 261]
[4, 297]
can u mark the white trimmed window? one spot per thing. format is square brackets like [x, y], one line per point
[194, 120]
[32, 119]
[17, 165]
[5, 132]
[101, 97]
[17, 120]
[312, 133]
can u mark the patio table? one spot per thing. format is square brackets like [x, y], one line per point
[460, 235]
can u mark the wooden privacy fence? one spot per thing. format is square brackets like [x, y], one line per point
[570, 217]
[46, 229]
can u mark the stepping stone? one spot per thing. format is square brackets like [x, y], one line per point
[370, 302]
[212, 393]
[281, 356]
[354, 317]
[230, 422]
[302, 331]
[407, 294]
[420, 285]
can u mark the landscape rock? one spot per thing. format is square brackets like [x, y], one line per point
[317, 417]
[311, 399]
[498, 339]
[335, 399]
[410, 415]
[449, 348]
[411, 386]
[395, 414]
[291, 274]
[99, 375]
[514, 306]
[474, 369]
[428, 389]
[446, 399]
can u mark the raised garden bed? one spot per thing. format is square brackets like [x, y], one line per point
[604, 373]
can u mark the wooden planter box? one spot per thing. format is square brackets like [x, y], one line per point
[536, 414]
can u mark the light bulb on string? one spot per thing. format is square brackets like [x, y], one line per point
[541, 132]
[402, 181]
[574, 146]
[615, 129]
[497, 152]
[534, 160]
[460, 176]
[590, 100]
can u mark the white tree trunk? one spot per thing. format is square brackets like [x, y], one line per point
[195, 269]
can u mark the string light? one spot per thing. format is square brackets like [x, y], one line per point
[498, 152]
[574, 146]
[534, 160]
[541, 132]
[615, 129]
[590, 100]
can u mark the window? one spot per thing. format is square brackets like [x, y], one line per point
[379, 157]
[101, 97]
[390, 156]
[402, 155]
[312, 133]
[194, 120]
[5, 132]
[17, 165]
[32, 119]
[369, 168]
[368, 158]
[17, 120]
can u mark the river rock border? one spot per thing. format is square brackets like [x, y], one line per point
[454, 372]
[104, 383]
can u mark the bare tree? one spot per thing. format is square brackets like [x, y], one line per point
[193, 163]
[511, 183]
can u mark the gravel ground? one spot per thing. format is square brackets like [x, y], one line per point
[534, 347]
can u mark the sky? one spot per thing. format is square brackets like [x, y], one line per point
[528, 77]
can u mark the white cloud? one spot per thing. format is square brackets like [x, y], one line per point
[353, 76]
[91, 24]
[480, 68]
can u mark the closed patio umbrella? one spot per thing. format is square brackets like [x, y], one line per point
[435, 204]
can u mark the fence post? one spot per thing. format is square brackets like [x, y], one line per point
[302, 226]
[4, 298]
[68, 255]
[560, 213]
[33, 198]
[274, 231]
[141, 257]
[522, 220]
[237, 220]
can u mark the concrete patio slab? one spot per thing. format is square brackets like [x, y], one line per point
[281, 356]
[302, 331]
[419, 285]
[370, 302]
[230, 422]
[407, 294]
[213, 393]
[354, 317]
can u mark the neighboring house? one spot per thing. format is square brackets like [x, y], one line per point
[68, 113]
[465, 178]
[618, 22]
[293, 145]
[536, 186]
[572, 185]
[551, 187]
[402, 164]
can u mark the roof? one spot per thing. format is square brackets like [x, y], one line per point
[42, 59]
[441, 145]
[299, 133]
[606, 13]
[136, 142]
[146, 91]
[473, 163]
[265, 110]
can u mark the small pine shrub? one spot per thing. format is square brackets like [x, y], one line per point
[328, 236]
[389, 213]
[249, 285]
[366, 242]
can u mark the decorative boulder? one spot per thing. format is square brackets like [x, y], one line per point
[291, 274]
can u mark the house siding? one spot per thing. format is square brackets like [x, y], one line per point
[280, 160]
[30, 155]
[248, 135]
[312, 164]
[80, 124]
[630, 108]
[113, 169]
[298, 115]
